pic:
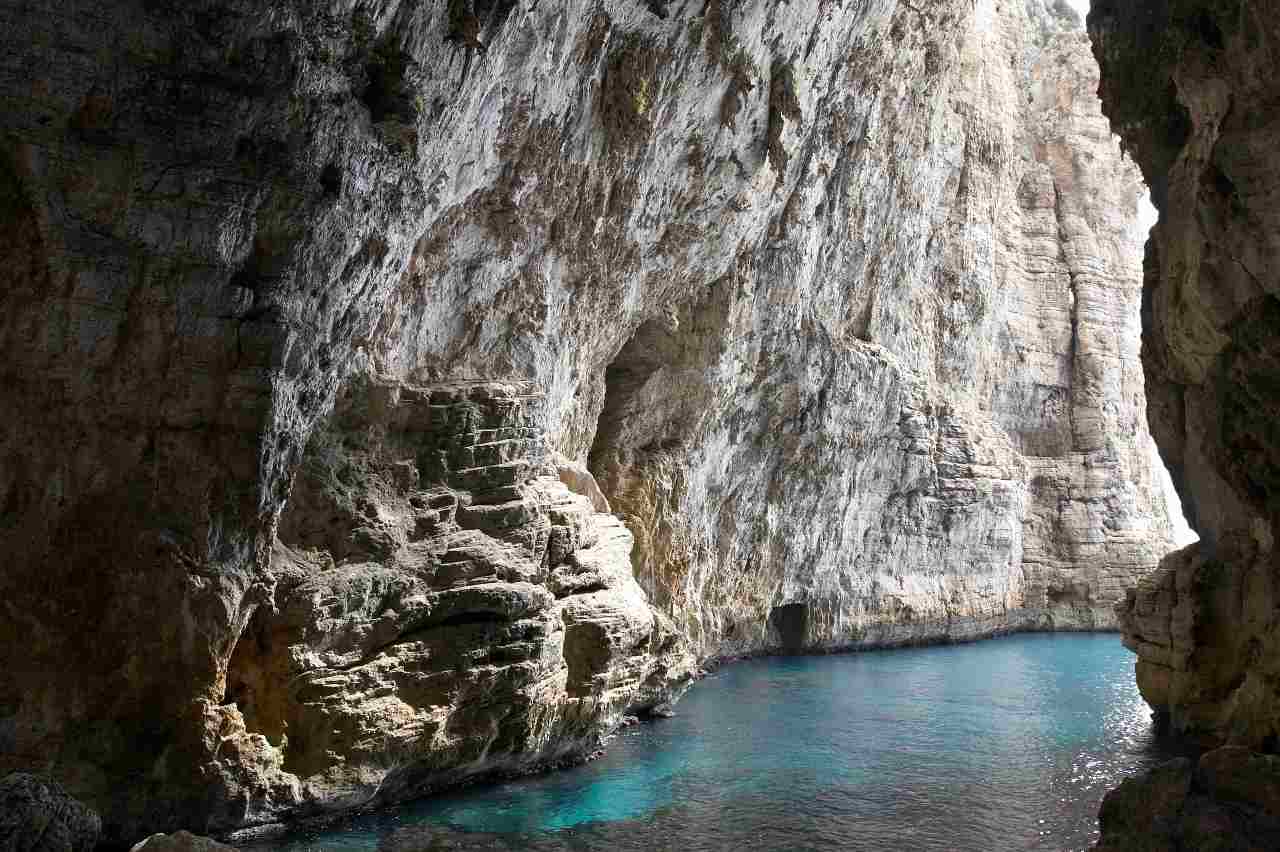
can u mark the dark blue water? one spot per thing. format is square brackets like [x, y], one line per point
[1000, 745]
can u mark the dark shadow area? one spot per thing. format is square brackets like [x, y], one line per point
[791, 623]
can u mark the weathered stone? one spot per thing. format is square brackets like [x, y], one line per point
[182, 841]
[839, 320]
[1142, 813]
[37, 815]
[453, 655]
[1191, 86]
[975, 411]
[1227, 803]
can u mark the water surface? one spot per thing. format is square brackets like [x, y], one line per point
[1001, 745]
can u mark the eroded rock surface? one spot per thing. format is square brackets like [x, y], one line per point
[37, 815]
[444, 607]
[890, 426]
[1228, 800]
[834, 303]
[1195, 89]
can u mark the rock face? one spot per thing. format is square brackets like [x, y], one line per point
[1194, 89]
[332, 332]
[1228, 800]
[955, 446]
[444, 607]
[37, 815]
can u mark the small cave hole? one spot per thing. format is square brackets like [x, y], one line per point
[389, 95]
[492, 14]
[791, 622]
[642, 356]
[331, 181]
[472, 619]
[1204, 26]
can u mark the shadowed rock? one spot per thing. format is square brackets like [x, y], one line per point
[37, 815]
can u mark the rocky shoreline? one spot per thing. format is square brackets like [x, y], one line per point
[256, 838]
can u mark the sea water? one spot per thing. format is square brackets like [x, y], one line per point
[1007, 744]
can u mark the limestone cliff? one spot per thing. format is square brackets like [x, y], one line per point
[320, 317]
[957, 445]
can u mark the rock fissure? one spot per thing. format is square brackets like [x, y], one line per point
[1073, 302]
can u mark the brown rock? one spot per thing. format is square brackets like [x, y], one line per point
[280, 526]
[1186, 83]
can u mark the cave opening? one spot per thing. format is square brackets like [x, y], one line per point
[791, 623]
[623, 423]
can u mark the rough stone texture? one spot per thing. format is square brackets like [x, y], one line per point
[1194, 88]
[1229, 802]
[182, 841]
[37, 815]
[941, 412]
[444, 608]
[835, 301]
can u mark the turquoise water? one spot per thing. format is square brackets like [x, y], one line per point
[1001, 745]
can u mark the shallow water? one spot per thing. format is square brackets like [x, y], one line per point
[1001, 745]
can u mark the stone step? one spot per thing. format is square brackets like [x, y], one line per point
[497, 516]
[493, 476]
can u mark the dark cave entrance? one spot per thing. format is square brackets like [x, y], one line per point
[791, 623]
[620, 423]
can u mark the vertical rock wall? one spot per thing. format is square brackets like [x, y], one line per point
[935, 427]
[835, 300]
[1193, 88]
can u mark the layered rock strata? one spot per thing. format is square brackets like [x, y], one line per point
[968, 394]
[834, 300]
[444, 607]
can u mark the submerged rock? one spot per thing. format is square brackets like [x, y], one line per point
[182, 841]
[37, 815]
[422, 838]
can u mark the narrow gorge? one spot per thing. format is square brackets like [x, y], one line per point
[400, 393]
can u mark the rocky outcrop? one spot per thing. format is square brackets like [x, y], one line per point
[182, 841]
[972, 404]
[322, 319]
[444, 607]
[1228, 800]
[1192, 87]
[37, 815]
